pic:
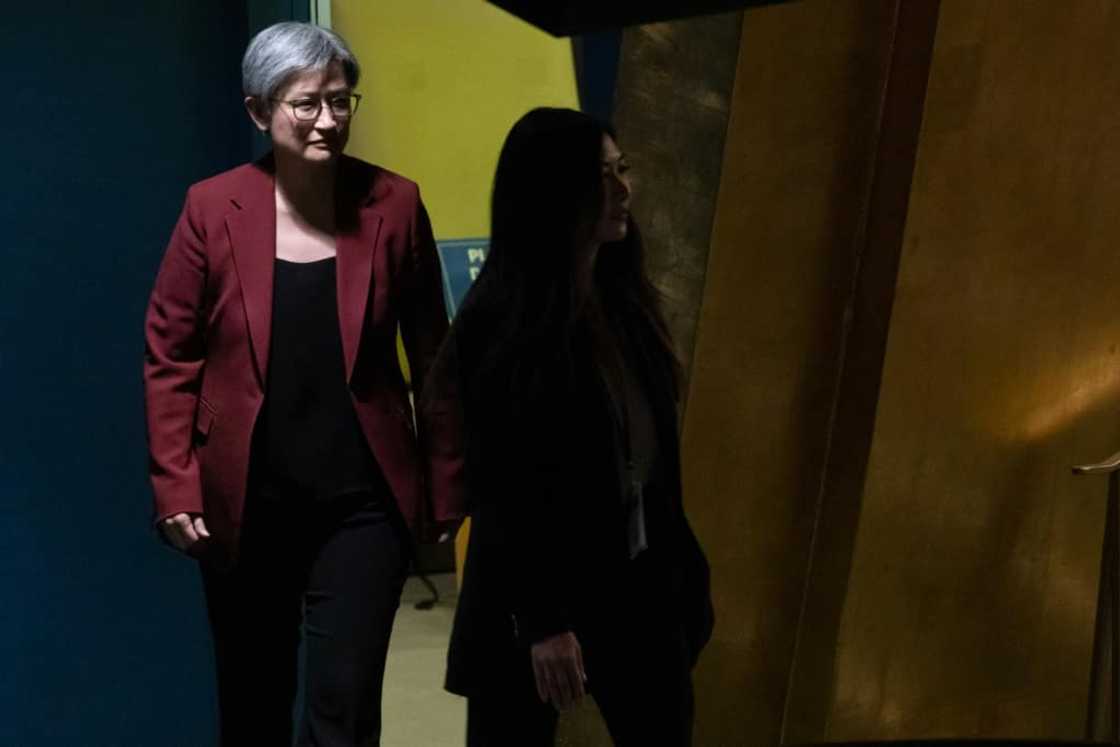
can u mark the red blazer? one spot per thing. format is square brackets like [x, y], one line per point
[207, 336]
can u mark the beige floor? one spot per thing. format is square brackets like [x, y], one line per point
[415, 709]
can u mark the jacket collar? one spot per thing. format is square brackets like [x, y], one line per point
[252, 233]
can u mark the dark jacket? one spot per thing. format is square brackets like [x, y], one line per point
[544, 484]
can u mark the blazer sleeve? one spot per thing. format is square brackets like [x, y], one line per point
[174, 356]
[540, 527]
[423, 323]
[533, 489]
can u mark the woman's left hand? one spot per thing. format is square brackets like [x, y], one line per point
[558, 670]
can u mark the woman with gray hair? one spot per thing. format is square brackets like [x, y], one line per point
[284, 454]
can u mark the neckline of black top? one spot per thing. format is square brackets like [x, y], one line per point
[324, 260]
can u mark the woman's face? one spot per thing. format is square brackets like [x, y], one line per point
[319, 139]
[615, 210]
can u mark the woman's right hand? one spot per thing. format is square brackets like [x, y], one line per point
[184, 531]
[558, 669]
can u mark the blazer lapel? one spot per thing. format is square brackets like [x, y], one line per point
[252, 235]
[358, 226]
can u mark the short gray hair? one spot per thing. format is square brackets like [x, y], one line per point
[284, 49]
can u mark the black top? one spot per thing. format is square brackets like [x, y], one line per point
[309, 440]
[635, 419]
[639, 449]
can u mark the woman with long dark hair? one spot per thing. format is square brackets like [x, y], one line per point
[582, 573]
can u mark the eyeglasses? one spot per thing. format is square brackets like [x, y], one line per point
[342, 106]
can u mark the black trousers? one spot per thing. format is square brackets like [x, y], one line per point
[638, 671]
[331, 571]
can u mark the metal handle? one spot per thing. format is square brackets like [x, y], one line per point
[1112, 464]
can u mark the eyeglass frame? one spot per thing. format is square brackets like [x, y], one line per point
[356, 97]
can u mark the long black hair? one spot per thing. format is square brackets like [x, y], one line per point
[524, 322]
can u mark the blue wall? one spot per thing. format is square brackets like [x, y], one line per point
[596, 56]
[110, 110]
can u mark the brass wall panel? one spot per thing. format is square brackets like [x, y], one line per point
[793, 185]
[908, 51]
[970, 601]
[674, 95]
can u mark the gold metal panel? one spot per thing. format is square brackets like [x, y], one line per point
[793, 181]
[970, 602]
[675, 82]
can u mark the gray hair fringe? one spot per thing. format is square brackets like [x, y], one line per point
[284, 49]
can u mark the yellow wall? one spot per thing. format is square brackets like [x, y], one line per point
[443, 81]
